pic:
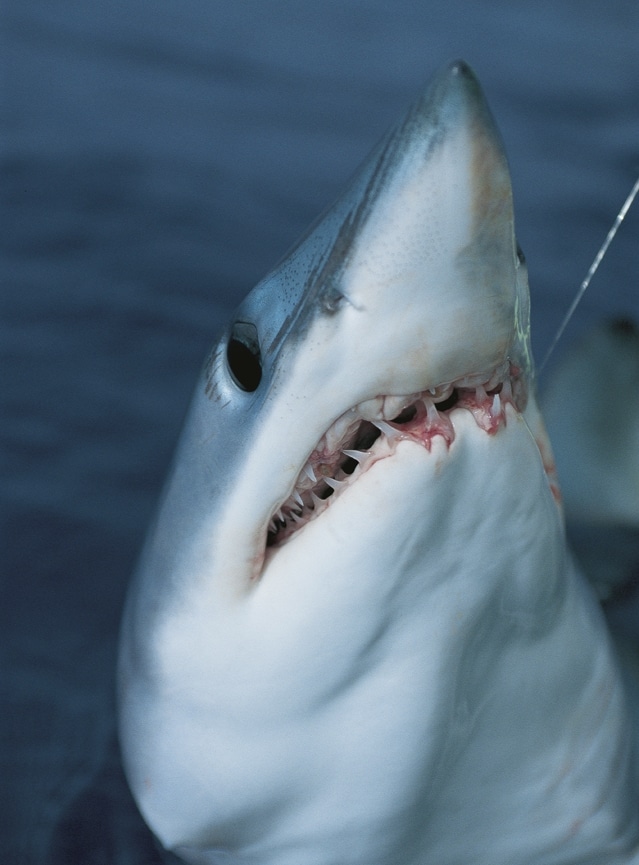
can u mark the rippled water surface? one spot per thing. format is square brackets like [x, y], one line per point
[156, 158]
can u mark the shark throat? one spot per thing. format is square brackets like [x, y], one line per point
[370, 432]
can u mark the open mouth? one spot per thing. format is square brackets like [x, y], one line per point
[371, 431]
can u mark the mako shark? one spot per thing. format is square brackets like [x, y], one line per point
[356, 636]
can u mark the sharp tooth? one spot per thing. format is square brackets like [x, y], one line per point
[297, 518]
[280, 515]
[317, 501]
[310, 474]
[298, 498]
[480, 393]
[431, 412]
[495, 409]
[336, 485]
[385, 428]
[358, 456]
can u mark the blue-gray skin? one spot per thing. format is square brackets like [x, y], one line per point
[356, 636]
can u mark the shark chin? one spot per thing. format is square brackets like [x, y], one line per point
[356, 635]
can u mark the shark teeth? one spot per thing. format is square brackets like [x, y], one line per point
[371, 430]
[388, 430]
[431, 411]
[335, 484]
[358, 456]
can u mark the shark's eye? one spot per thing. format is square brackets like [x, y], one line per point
[243, 356]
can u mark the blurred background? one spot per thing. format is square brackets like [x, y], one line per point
[156, 158]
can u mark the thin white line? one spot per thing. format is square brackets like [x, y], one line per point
[593, 268]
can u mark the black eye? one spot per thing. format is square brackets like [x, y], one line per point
[243, 356]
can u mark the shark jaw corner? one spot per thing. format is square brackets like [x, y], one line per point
[355, 635]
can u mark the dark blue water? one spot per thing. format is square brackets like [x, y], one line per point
[156, 158]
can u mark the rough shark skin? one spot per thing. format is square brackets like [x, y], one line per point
[356, 636]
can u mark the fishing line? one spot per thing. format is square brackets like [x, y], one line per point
[592, 270]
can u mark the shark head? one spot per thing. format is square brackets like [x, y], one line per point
[343, 630]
